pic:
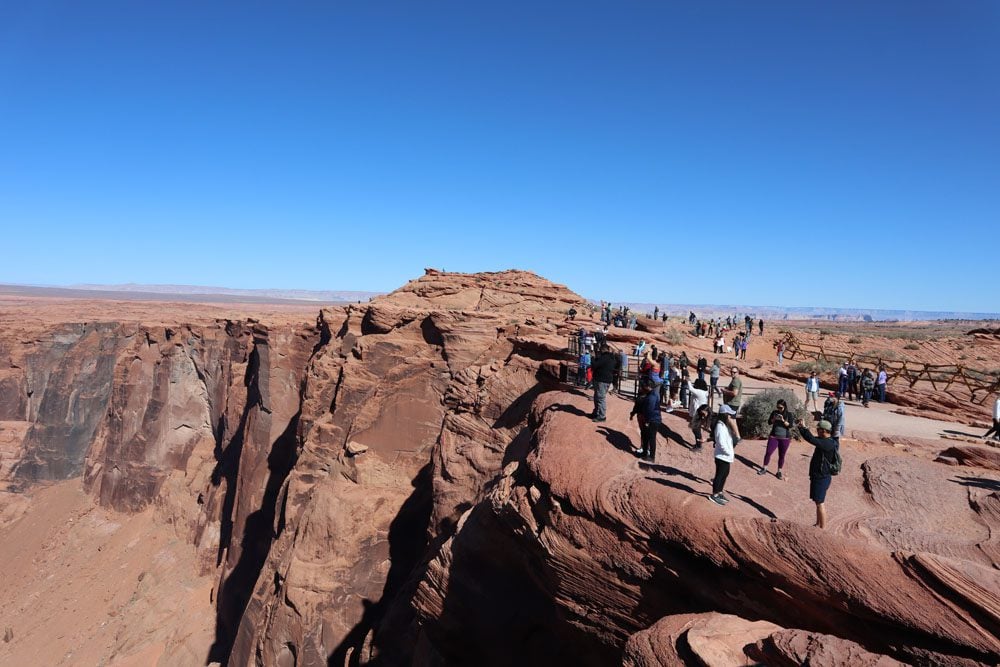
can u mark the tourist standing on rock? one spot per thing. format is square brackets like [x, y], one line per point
[842, 378]
[603, 370]
[867, 386]
[581, 368]
[780, 346]
[714, 375]
[733, 399]
[647, 407]
[761, 325]
[996, 421]
[621, 369]
[720, 344]
[812, 391]
[852, 380]
[724, 454]
[820, 465]
[656, 312]
[743, 348]
[780, 437]
[697, 395]
[736, 345]
[880, 383]
[701, 420]
[833, 412]
[702, 367]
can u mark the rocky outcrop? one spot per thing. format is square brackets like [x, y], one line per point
[406, 482]
[597, 550]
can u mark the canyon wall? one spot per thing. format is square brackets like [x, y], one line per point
[406, 481]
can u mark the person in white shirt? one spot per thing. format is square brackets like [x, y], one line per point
[812, 391]
[996, 422]
[724, 454]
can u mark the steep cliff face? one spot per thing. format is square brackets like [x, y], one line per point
[406, 482]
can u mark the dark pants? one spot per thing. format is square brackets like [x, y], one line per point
[842, 385]
[721, 473]
[779, 444]
[866, 396]
[881, 393]
[995, 431]
[648, 435]
[601, 399]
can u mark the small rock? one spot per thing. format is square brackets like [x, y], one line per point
[354, 448]
[8, 635]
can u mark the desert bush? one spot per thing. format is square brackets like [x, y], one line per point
[757, 409]
[854, 340]
[885, 355]
[673, 337]
[911, 346]
[817, 365]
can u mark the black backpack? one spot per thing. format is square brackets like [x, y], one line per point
[836, 463]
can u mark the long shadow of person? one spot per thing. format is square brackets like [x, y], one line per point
[566, 407]
[670, 470]
[617, 438]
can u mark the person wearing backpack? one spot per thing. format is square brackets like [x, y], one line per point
[824, 464]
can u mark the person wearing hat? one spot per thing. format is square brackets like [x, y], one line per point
[647, 407]
[820, 465]
[833, 412]
[724, 454]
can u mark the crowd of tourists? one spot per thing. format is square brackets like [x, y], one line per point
[665, 383]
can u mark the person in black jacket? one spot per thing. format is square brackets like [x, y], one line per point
[819, 465]
[647, 407]
[603, 368]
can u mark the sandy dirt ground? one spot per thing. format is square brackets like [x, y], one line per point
[81, 585]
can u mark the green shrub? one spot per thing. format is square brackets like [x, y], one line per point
[757, 409]
[817, 366]
[853, 340]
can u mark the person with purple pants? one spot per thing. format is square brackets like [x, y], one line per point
[779, 439]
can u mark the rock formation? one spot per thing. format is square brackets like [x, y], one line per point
[407, 482]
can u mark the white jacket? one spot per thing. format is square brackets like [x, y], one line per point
[996, 409]
[723, 443]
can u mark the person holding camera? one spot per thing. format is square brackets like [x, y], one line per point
[820, 465]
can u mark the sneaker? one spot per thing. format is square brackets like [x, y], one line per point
[762, 471]
[779, 475]
[723, 498]
[718, 500]
[599, 419]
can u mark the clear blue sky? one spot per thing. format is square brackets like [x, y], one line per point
[795, 153]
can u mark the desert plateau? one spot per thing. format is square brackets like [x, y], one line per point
[412, 480]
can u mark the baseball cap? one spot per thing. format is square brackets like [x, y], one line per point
[726, 410]
[825, 425]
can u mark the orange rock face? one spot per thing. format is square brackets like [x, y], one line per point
[407, 482]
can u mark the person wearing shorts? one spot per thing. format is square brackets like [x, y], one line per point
[812, 391]
[820, 465]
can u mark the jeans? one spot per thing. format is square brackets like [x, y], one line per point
[648, 435]
[866, 395]
[581, 376]
[721, 473]
[601, 399]
[881, 393]
[781, 357]
[842, 385]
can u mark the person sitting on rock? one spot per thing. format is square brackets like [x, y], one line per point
[647, 408]
[724, 454]
[820, 465]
